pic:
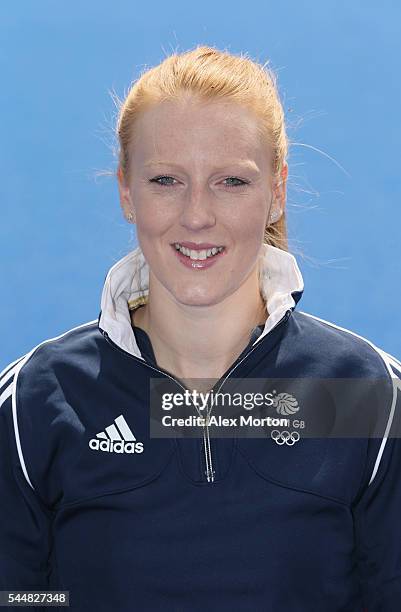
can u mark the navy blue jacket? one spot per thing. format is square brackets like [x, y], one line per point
[92, 504]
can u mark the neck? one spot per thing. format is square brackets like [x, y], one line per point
[201, 342]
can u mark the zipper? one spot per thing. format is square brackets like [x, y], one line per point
[206, 437]
[209, 471]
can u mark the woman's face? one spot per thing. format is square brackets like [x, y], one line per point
[199, 174]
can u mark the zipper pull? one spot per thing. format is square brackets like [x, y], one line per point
[210, 475]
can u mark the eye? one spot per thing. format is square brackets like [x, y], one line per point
[235, 178]
[165, 177]
[159, 178]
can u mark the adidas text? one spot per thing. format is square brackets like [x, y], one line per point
[110, 446]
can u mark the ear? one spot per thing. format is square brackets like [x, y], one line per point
[280, 192]
[125, 195]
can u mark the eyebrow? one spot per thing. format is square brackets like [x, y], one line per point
[246, 164]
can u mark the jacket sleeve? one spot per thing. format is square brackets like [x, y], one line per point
[377, 515]
[25, 522]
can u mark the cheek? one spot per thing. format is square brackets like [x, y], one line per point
[154, 218]
[249, 221]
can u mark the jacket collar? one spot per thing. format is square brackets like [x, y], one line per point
[281, 285]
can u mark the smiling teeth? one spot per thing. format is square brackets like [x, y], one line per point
[195, 255]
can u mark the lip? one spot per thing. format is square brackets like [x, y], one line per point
[201, 246]
[199, 264]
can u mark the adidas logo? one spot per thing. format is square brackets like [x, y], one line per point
[117, 439]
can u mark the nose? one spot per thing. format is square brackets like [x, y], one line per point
[198, 209]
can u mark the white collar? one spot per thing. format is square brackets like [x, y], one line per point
[281, 285]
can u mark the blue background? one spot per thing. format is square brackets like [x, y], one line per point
[338, 66]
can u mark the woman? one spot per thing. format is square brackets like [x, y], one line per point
[259, 518]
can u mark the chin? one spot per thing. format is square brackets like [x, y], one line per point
[196, 299]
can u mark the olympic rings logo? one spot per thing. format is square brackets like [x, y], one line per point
[285, 437]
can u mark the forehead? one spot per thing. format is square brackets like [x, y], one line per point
[191, 129]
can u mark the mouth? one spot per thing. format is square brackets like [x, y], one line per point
[198, 252]
[198, 255]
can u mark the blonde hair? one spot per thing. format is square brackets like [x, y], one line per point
[211, 74]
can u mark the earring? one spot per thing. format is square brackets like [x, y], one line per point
[274, 216]
[130, 217]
